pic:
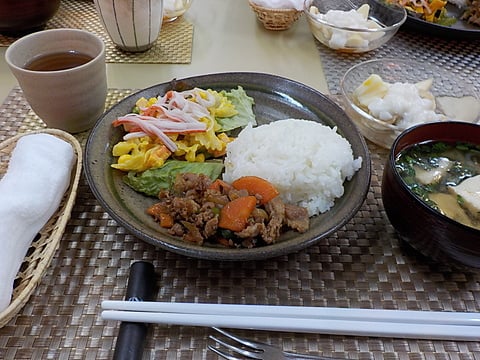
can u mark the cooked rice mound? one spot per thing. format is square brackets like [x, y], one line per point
[308, 162]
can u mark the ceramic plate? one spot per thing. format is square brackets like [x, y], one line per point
[275, 98]
[460, 30]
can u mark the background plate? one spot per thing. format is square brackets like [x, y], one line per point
[460, 30]
[275, 98]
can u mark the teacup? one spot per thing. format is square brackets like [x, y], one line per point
[62, 74]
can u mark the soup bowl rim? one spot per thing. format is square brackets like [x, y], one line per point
[392, 161]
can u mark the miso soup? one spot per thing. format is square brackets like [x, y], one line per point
[446, 176]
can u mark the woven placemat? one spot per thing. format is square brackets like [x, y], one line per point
[362, 265]
[174, 44]
[459, 56]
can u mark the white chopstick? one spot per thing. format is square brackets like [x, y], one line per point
[336, 321]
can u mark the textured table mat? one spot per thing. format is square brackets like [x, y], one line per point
[362, 265]
[460, 56]
[174, 44]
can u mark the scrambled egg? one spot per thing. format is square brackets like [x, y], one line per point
[143, 153]
[139, 154]
[223, 107]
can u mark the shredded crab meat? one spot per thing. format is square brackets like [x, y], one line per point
[139, 125]
[188, 105]
[134, 135]
[416, 3]
[175, 113]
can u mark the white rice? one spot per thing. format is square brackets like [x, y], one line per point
[307, 162]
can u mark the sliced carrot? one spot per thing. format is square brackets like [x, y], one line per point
[219, 185]
[160, 213]
[166, 220]
[234, 215]
[224, 242]
[256, 186]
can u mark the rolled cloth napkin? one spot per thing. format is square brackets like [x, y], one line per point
[31, 190]
[280, 4]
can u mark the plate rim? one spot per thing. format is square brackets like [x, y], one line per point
[415, 23]
[225, 254]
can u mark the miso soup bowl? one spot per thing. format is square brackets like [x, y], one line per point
[423, 228]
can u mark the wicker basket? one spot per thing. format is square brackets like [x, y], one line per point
[44, 246]
[275, 19]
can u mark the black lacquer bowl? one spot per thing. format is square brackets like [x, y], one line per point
[420, 226]
[20, 17]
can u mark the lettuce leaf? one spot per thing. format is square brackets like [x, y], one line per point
[243, 104]
[151, 181]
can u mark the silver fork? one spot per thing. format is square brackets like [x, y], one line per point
[253, 350]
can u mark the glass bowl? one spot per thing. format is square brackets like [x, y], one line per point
[173, 9]
[342, 26]
[452, 97]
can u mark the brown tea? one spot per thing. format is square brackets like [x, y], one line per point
[58, 61]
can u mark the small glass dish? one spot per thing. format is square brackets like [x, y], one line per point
[453, 98]
[173, 9]
[343, 26]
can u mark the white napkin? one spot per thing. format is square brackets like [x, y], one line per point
[280, 4]
[31, 190]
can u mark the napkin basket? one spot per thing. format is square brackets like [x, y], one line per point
[275, 19]
[44, 246]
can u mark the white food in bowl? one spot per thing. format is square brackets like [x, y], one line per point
[466, 108]
[401, 104]
[174, 8]
[306, 161]
[339, 38]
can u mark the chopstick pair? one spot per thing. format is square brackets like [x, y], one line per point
[433, 325]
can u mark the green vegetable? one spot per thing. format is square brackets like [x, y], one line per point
[150, 182]
[464, 164]
[243, 104]
[446, 20]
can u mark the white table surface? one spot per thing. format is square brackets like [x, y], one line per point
[227, 37]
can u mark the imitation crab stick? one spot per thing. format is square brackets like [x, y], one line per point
[173, 113]
[138, 126]
[256, 186]
[234, 215]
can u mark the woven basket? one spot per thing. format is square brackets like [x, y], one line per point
[275, 19]
[44, 246]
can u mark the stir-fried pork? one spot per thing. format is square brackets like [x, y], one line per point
[193, 206]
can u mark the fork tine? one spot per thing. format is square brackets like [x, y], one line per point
[245, 342]
[222, 354]
[241, 351]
